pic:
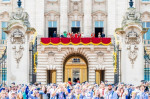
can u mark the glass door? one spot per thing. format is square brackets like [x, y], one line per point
[75, 74]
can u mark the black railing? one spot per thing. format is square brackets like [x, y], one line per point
[3, 68]
[117, 54]
[34, 60]
[146, 66]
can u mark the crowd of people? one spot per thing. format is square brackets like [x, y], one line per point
[76, 91]
[78, 35]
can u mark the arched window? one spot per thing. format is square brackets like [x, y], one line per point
[75, 60]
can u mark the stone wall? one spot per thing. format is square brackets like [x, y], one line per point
[61, 52]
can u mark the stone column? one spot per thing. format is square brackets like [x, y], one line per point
[63, 16]
[87, 8]
[132, 61]
[28, 5]
[18, 32]
[40, 17]
[111, 19]
[123, 5]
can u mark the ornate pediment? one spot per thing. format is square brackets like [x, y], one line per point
[99, 12]
[52, 12]
[145, 16]
[99, 15]
[3, 14]
[75, 13]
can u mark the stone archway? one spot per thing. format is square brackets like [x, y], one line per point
[75, 66]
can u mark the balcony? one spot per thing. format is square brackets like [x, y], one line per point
[76, 41]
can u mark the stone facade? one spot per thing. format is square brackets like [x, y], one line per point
[99, 57]
[72, 10]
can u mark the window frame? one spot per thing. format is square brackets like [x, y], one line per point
[145, 0]
[99, 1]
[99, 24]
[52, 24]
[144, 25]
[5, 1]
[76, 24]
[2, 32]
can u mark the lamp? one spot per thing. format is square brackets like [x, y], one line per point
[131, 4]
[19, 3]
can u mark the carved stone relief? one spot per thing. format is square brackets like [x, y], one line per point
[100, 60]
[17, 37]
[18, 53]
[75, 6]
[132, 39]
[51, 61]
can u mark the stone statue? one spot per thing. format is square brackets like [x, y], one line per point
[19, 15]
[132, 16]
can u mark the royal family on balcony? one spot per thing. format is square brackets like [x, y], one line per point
[77, 35]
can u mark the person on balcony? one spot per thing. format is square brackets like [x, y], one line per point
[65, 34]
[54, 34]
[79, 34]
[92, 35]
[72, 35]
[99, 35]
[82, 34]
[76, 35]
[103, 35]
[68, 35]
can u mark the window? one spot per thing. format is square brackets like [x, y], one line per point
[52, 24]
[76, 60]
[5, 0]
[4, 74]
[146, 35]
[4, 25]
[99, 24]
[75, 23]
[145, 0]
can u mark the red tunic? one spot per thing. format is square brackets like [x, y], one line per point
[70, 82]
[76, 35]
